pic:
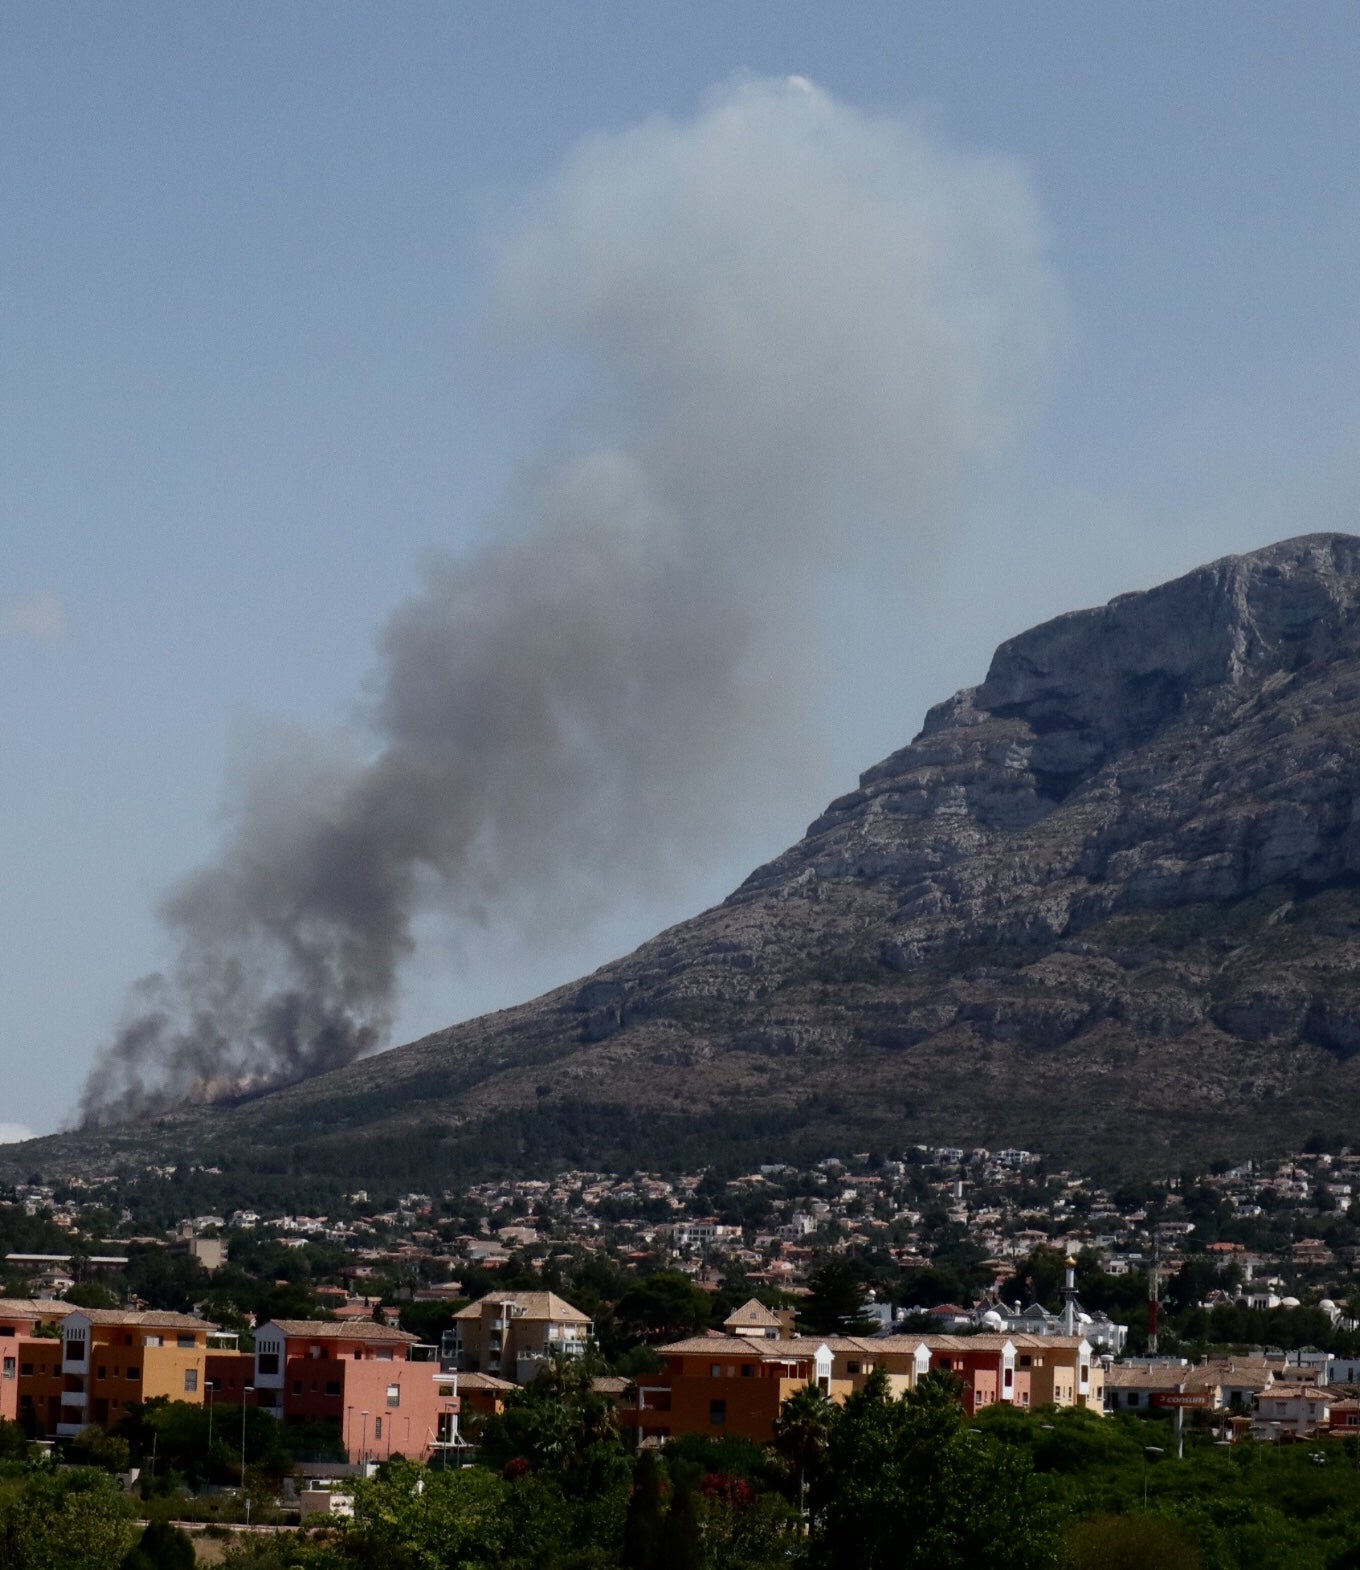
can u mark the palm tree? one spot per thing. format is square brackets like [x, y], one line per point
[802, 1434]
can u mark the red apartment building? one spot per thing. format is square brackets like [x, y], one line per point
[362, 1376]
[22, 1351]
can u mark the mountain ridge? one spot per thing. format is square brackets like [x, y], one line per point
[1105, 904]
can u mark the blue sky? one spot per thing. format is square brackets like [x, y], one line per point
[255, 368]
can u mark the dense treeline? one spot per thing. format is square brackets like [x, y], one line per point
[879, 1484]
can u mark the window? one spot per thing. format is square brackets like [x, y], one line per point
[297, 1387]
[717, 1413]
[103, 1372]
[715, 1370]
[1085, 1373]
[852, 1368]
[190, 1379]
[1009, 1378]
[332, 1387]
[384, 1354]
[10, 1367]
[185, 1339]
[377, 1428]
[446, 1391]
[26, 1369]
[134, 1372]
[269, 1362]
[153, 1341]
[748, 1370]
[394, 1395]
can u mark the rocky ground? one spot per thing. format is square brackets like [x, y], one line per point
[1106, 904]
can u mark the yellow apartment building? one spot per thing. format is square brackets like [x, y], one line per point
[109, 1356]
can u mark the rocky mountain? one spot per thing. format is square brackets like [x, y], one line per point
[1106, 904]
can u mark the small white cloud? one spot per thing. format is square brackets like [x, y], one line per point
[13, 1133]
[40, 618]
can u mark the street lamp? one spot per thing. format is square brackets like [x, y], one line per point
[210, 1391]
[248, 1390]
[1148, 1452]
[363, 1449]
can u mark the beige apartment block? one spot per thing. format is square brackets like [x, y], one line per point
[514, 1334]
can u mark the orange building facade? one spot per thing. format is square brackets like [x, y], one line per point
[107, 1358]
[720, 1385]
[735, 1384]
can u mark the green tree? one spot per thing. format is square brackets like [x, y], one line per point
[78, 1520]
[835, 1301]
[162, 1547]
[644, 1523]
[906, 1487]
[664, 1306]
[802, 1435]
[410, 1519]
[682, 1544]
[103, 1449]
[92, 1294]
[555, 1423]
[14, 1442]
[1121, 1542]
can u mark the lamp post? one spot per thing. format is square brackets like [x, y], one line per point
[248, 1390]
[363, 1449]
[1148, 1452]
[210, 1390]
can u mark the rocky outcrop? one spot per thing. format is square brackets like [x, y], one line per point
[1106, 903]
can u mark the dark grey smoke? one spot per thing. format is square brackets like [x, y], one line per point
[805, 331]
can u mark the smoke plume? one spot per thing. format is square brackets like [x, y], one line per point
[799, 333]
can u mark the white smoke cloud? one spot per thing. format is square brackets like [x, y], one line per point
[803, 334]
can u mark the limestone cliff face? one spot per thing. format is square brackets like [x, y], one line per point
[1106, 903]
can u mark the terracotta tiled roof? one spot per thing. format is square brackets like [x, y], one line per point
[744, 1349]
[536, 1305]
[484, 1382]
[34, 1308]
[752, 1312]
[1132, 1376]
[342, 1330]
[145, 1319]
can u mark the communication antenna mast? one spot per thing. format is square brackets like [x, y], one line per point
[1154, 1301]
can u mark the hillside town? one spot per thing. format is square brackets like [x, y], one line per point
[1225, 1295]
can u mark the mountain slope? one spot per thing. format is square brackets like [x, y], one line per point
[1106, 904]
